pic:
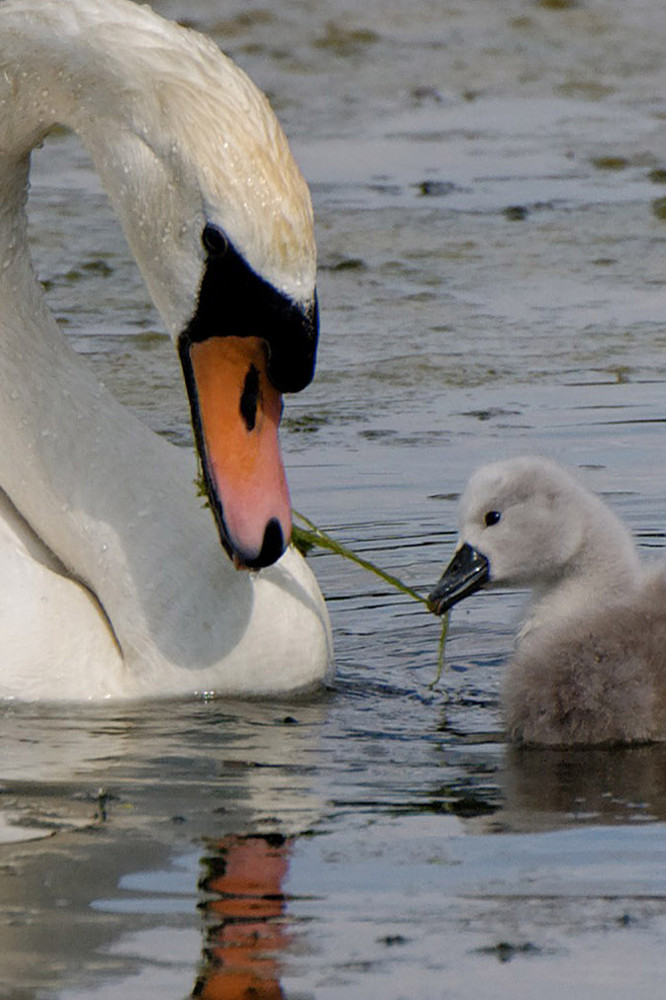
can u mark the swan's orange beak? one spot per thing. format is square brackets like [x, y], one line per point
[236, 414]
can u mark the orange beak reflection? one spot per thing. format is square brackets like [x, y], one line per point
[236, 415]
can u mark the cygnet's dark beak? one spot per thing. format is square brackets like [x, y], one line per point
[467, 572]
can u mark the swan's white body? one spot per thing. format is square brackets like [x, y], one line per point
[112, 581]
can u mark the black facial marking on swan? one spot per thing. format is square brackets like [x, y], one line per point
[251, 307]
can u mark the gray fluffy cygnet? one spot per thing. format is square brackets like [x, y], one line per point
[590, 661]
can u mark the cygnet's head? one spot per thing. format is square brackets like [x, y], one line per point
[527, 522]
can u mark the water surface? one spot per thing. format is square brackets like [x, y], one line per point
[487, 181]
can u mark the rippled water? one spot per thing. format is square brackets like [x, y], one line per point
[487, 181]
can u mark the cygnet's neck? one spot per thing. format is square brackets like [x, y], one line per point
[604, 569]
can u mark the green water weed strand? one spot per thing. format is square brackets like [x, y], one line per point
[313, 536]
[309, 537]
[441, 662]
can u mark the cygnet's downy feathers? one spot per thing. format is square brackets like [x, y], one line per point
[590, 662]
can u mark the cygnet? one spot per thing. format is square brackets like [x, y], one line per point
[590, 661]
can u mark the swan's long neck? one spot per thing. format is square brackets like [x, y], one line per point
[157, 105]
[66, 445]
[66, 453]
[54, 70]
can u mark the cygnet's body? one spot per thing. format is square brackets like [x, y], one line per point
[590, 663]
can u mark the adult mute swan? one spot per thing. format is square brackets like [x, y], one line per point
[590, 663]
[112, 583]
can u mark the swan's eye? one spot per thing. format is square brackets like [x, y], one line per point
[214, 241]
[492, 517]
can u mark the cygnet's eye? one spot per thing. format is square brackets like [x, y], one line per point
[492, 517]
[214, 241]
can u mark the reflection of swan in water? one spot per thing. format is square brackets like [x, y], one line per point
[229, 777]
[244, 909]
[110, 579]
[590, 663]
[115, 907]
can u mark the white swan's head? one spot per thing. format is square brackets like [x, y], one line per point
[218, 217]
[527, 522]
